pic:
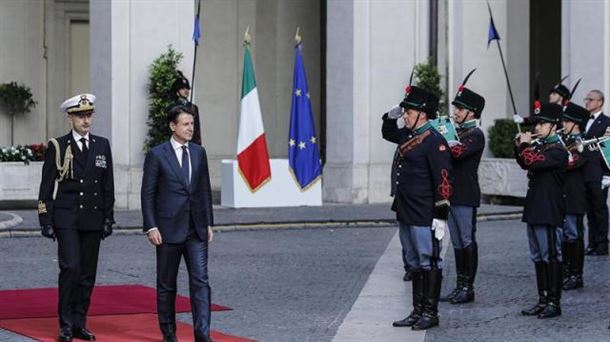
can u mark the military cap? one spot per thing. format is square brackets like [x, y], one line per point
[575, 113]
[546, 112]
[180, 83]
[468, 99]
[421, 100]
[79, 103]
[560, 89]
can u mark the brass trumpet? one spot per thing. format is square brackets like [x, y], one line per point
[581, 144]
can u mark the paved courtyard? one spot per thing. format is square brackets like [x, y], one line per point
[304, 284]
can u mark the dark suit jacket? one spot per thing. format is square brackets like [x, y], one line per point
[168, 202]
[84, 199]
[596, 166]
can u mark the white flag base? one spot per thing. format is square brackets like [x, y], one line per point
[281, 191]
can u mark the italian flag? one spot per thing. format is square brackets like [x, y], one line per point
[252, 155]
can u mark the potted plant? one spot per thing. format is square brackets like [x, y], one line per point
[163, 71]
[16, 99]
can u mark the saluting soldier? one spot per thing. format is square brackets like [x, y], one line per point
[546, 162]
[181, 90]
[391, 120]
[423, 187]
[80, 214]
[466, 196]
[573, 245]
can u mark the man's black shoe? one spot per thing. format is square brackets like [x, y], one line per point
[597, 252]
[408, 276]
[83, 334]
[574, 282]
[65, 335]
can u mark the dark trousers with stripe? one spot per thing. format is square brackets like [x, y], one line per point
[78, 252]
[544, 243]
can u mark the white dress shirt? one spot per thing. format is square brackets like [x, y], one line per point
[77, 138]
[178, 151]
[592, 120]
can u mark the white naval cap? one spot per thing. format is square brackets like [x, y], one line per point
[78, 103]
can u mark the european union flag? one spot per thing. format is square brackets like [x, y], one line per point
[492, 33]
[303, 152]
[196, 30]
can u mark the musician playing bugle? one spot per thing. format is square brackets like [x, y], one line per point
[544, 205]
[572, 244]
[466, 198]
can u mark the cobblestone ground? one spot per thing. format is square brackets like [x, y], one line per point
[284, 285]
[505, 284]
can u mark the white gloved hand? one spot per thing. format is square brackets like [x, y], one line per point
[400, 123]
[439, 227]
[395, 112]
[605, 182]
[518, 119]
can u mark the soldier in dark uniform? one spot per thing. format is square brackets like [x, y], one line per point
[80, 215]
[421, 202]
[181, 90]
[466, 196]
[544, 210]
[392, 120]
[573, 245]
[559, 94]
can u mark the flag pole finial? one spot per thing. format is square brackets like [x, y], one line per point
[247, 36]
[297, 36]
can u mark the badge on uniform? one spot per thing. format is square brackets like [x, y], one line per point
[100, 161]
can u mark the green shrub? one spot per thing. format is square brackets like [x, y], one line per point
[501, 135]
[428, 78]
[163, 72]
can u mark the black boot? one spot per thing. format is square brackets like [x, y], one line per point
[555, 281]
[466, 292]
[417, 281]
[542, 284]
[565, 252]
[577, 255]
[460, 276]
[432, 292]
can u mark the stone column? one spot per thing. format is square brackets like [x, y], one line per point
[126, 36]
[371, 48]
[585, 46]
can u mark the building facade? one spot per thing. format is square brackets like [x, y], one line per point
[358, 55]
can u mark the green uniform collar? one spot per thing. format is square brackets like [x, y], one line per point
[551, 139]
[469, 124]
[422, 128]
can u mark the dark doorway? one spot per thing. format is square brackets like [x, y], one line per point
[545, 45]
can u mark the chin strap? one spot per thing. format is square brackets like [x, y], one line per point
[416, 121]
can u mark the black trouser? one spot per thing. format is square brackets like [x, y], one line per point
[78, 251]
[597, 214]
[195, 253]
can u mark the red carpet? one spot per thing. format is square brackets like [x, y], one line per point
[106, 300]
[123, 328]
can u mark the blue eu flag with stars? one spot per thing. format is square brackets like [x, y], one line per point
[303, 152]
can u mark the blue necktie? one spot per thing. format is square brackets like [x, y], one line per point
[185, 165]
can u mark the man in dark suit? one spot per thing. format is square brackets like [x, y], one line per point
[80, 215]
[597, 212]
[178, 219]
